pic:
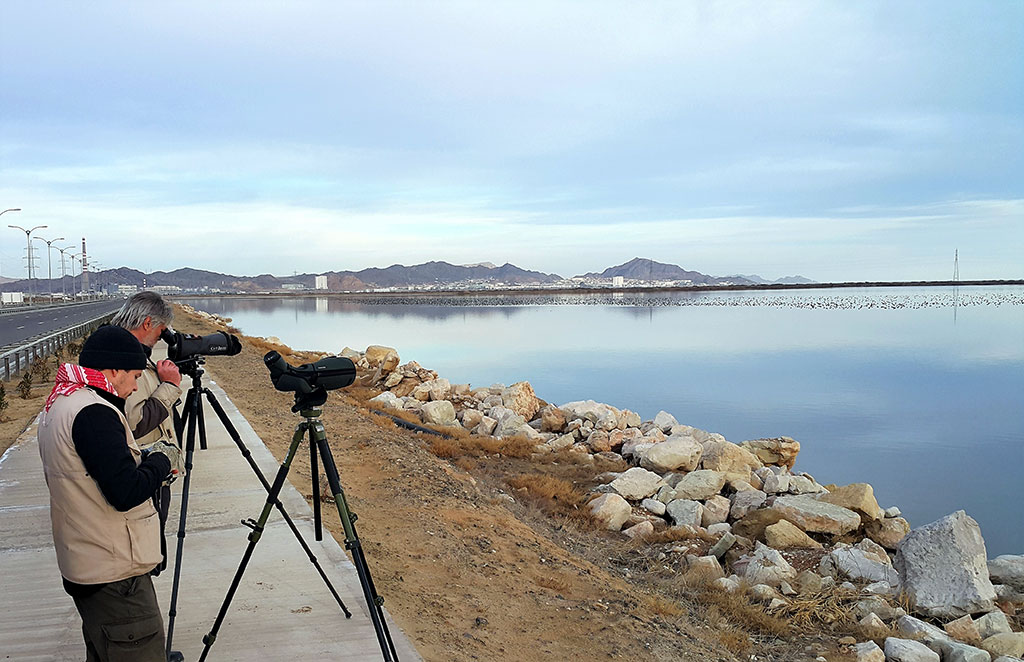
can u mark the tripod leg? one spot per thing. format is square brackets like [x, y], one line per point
[314, 472]
[192, 403]
[202, 422]
[257, 527]
[237, 438]
[374, 603]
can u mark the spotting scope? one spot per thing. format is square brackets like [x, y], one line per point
[327, 374]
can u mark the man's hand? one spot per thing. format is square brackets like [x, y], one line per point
[166, 371]
[173, 454]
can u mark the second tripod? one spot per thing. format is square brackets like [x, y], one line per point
[312, 428]
[194, 420]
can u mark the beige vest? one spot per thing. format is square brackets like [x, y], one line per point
[95, 543]
[166, 393]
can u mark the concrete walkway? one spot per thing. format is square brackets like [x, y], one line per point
[282, 609]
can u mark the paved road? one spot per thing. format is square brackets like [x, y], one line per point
[17, 328]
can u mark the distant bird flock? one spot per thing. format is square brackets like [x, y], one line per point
[833, 300]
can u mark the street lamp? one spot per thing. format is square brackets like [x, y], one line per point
[49, 264]
[28, 243]
[63, 273]
[73, 256]
[96, 268]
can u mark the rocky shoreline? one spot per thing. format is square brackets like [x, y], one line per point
[747, 497]
[766, 530]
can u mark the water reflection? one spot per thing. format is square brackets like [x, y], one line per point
[879, 386]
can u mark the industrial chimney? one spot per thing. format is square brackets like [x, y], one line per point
[85, 268]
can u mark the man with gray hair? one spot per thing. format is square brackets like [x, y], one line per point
[145, 315]
[149, 410]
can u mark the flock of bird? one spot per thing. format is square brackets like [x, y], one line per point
[830, 300]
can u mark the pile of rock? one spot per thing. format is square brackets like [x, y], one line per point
[209, 317]
[759, 515]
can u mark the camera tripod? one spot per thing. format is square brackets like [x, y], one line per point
[309, 408]
[193, 417]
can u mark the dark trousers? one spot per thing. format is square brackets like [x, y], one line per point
[121, 622]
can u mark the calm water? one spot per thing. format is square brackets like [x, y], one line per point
[898, 387]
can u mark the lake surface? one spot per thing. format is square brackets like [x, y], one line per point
[918, 391]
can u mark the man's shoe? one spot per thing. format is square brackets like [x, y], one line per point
[175, 656]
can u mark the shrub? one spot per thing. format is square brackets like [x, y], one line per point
[4, 404]
[25, 385]
[41, 369]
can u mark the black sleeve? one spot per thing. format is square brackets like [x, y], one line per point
[100, 442]
[153, 414]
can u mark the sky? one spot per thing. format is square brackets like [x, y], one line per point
[835, 140]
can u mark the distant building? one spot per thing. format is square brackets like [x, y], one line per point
[127, 290]
[321, 282]
[14, 297]
[165, 289]
[292, 286]
[618, 281]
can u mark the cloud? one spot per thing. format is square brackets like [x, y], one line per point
[824, 139]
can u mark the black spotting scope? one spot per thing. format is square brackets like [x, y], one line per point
[310, 379]
[186, 346]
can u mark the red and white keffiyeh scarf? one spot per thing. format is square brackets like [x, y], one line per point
[71, 377]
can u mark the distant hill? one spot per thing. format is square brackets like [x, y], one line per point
[397, 275]
[645, 269]
[430, 273]
[788, 280]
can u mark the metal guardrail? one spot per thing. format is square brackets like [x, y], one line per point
[12, 308]
[15, 360]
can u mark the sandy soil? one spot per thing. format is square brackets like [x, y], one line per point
[473, 569]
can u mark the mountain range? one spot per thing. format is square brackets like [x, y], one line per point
[648, 270]
[428, 274]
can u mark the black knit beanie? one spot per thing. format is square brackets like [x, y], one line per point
[113, 348]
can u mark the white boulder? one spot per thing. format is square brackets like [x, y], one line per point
[908, 650]
[638, 483]
[438, 412]
[611, 510]
[944, 570]
[672, 454]
[768, 566]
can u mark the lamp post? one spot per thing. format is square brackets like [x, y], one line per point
[96, 268]
[73, 256]
[49, 264]
[63, 272]
[28, 243]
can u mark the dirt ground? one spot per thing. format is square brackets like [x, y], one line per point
[472, 568]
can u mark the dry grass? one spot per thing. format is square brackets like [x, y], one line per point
[736, 640]
[677, 533]
[382, 422]
[550, 493]
[726, 610]
[829, 609]
[552, 581]
[460, 443]
[446, 448]
[665, 607]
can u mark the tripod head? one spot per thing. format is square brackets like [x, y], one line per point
[310, 402]
[310, 413]
[192, 366]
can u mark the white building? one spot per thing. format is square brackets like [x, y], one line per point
[617, 281]
[14, 297]
[127, 290]
[321, 282]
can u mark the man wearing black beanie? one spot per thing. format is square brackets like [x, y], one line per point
[106, 531]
